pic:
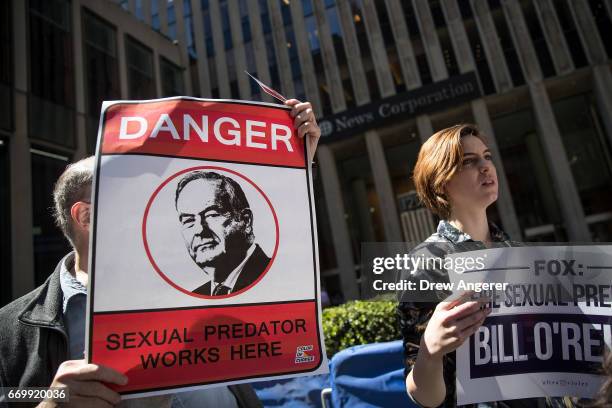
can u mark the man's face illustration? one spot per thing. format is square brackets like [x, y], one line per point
[211, 229]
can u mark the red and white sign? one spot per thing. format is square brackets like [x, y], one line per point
[204, 266]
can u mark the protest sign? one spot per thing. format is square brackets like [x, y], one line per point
[549, 324]
[186, 190]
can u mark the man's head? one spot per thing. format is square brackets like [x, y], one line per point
[216, 221]
[72, 197]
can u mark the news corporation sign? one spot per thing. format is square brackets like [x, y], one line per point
[427, 99]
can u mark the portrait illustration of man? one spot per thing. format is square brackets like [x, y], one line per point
[217, 226]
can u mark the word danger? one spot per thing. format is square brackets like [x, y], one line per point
[226, 130]
[539, 343]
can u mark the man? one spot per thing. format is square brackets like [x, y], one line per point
[42, 333]
[217, 226]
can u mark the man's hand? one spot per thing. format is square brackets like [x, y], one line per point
[85, 384]
[305, 123]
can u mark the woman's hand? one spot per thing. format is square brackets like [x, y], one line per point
[451, 324]
[305, 123]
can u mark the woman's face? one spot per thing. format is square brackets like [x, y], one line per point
[475, 184]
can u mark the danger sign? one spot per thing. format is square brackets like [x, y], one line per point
[204, 251]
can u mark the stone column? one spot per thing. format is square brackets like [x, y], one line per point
[22, 245]
[587, 29]
[339, 229]
[492, 46]
[122, 61]
[353, 53]
[430, 39]
[181, 36]
[239, 52]
[159, 88]
[378, 51]
[162, 9]
[462, 48]
[384, 187]
[424, 127]
[146, 11]
[360, 194]
[405, 52]
[219, 43]
[280, 46]
[602, 89]
[556, 157]
[505, 205]
[522, 40]
[200, 45]
[328, 54]
[553, 33]
[259, 46]
[79, 82]
[309, 78]
[458, 36]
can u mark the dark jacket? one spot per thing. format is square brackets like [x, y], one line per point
[253, 268]
[33, 341]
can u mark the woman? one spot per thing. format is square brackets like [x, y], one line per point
[456, 179]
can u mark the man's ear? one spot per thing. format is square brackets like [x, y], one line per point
[246, 216]
[79, 212]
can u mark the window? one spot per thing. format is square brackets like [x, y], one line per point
[571, 34]
[417, 44]
[603, 23]
[534, 199]
[5, 227]
[50, 245]
[51, 72]
[141, 81]
[588, 154]
[6, 66]
[102, 70]
[507, 45]
[172, 78]
[538, 39]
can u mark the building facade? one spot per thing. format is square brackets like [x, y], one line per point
[383, 75]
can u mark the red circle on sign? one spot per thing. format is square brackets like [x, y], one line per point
[157, 268]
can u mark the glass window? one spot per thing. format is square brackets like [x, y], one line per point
[507, 45]
[155, 15]
[327, 253]
[480, 58]
[50, 245]
[225, 24]
[6, 65]
[534, 198]
[364, 48]
[566, 20]
[102, 69]
[538, 39]
[141, 81]
[401, 150]
[361, 202]
[5, 227]
[172, 78]
[171, 14]
[450, 60]
[603, 23]
[588, 153]
[417, 44]
[51, 105]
